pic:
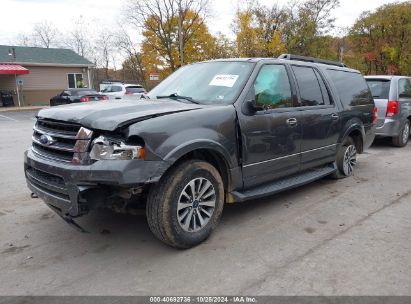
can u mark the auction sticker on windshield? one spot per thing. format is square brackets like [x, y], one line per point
[224, 80]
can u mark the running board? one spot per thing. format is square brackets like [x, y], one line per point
[284, 184]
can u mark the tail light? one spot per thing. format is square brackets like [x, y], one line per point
[84, 99]
[392, 108]
[104, 97]
[375, 116]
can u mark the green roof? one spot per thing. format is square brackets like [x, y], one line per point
[42, 56]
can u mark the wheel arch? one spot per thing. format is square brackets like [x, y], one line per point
[357, 133]
[210, 152]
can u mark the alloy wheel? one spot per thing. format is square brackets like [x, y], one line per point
[406, 133]
[196, 204]
[350, 160]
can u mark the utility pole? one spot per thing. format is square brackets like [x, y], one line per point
[341, 50]
[180, 33]
[12, 52]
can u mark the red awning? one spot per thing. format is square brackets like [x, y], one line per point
[12, 69]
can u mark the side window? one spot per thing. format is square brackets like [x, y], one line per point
[326, 95]
[404, 88]
[272, 87]
[351, 87]
[116, 89]
[310, 91]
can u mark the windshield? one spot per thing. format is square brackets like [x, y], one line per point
[380, 88]
[218, 82]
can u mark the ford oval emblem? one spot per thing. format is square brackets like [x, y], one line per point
[46, 140]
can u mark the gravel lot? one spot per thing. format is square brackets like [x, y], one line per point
[346, 237]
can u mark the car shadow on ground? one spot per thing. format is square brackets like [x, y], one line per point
[126, 229]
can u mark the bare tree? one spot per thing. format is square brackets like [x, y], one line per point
[45, 34]
[130, 49]
[23, 39]
[104, 46]
[79, 38]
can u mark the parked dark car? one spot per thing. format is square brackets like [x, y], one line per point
[6, 98]
[76, 95]
[216, 132]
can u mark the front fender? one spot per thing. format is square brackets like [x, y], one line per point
[197, 144]
[171, 136]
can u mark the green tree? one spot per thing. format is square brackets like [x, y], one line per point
[306, 25]
[382, 39]
[258, 32]
[300, 28]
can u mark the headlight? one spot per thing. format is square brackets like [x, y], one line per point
[103, 149]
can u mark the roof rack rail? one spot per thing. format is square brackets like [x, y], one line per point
[310, 59]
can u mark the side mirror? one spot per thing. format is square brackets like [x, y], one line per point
[251, 104]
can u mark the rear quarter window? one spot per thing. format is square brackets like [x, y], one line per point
[404, 88]
[351, 87]
[380, 88]
[135, 89]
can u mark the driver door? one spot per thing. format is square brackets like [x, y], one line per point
[272, 135]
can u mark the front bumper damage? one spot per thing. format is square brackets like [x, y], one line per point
[73, 190]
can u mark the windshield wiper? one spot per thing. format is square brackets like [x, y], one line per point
[176, 96]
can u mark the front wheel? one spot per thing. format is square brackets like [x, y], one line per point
[186, 205]
[346, 159]
[402, 139]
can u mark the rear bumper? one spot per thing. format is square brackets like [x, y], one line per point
[72, 190]
[390, 128]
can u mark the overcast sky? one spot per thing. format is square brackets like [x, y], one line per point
[19, 15]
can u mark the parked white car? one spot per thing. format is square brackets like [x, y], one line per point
[119, 90]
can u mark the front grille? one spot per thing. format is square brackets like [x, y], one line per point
[59, 141]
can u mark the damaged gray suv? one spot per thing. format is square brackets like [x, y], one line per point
[215, 132]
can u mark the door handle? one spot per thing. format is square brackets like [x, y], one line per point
[335, 116]
[291, 121]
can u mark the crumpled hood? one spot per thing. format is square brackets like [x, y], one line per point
[109, 115]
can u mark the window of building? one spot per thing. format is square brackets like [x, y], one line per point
[75, 81]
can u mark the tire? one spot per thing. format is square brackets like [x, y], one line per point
[402, 139]
[346, 159]
[169, 204]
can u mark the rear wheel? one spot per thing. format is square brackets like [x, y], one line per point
[402, 139]
[346, 159]
[186, 205]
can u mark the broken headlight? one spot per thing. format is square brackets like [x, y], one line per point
[104, 149]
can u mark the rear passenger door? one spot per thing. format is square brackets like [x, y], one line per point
[319, 118]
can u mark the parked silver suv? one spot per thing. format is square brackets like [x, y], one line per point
[392, 96]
